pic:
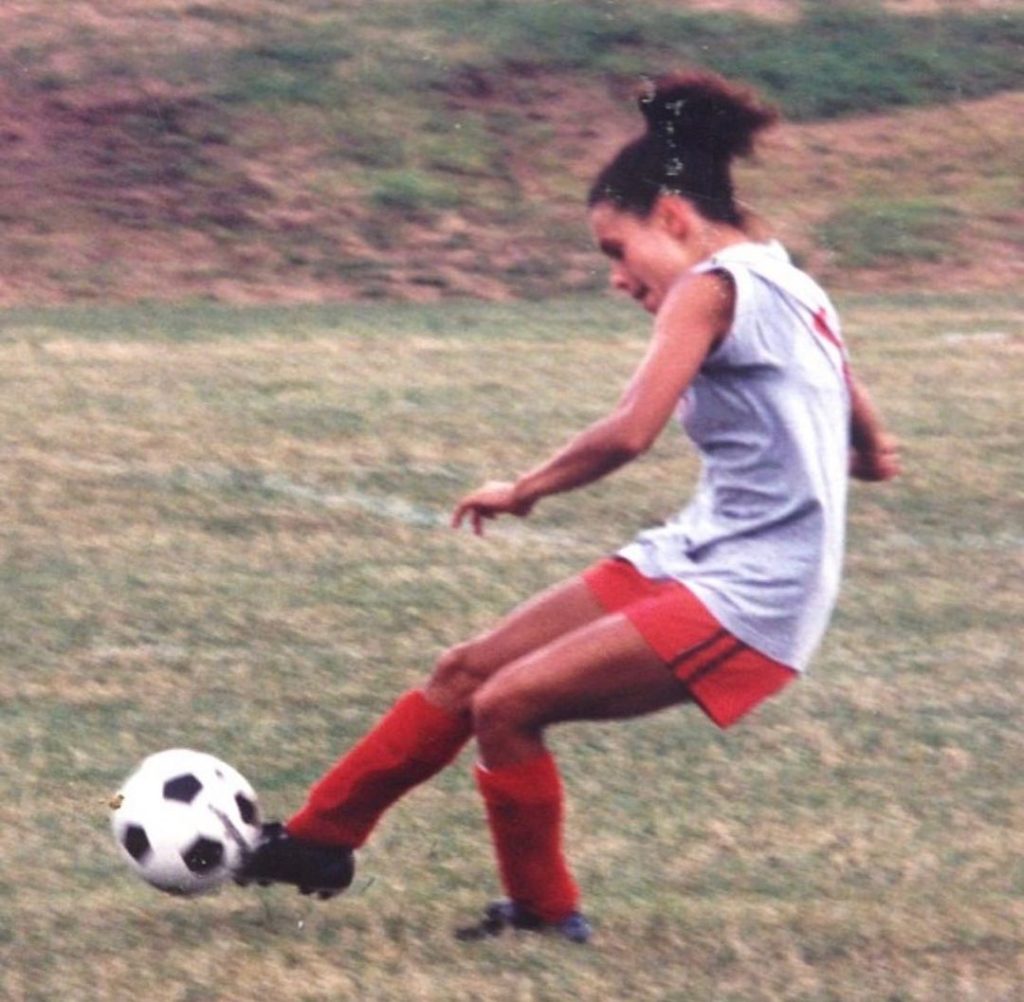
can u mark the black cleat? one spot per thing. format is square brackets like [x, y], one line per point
[279, 858]
[502, 915]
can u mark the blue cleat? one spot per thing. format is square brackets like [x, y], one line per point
[502, 915]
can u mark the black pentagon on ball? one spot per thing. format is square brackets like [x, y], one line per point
[246, 808]
[136, 842]
[183, 788]
[204, 855]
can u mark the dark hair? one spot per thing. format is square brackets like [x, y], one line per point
[697, 122]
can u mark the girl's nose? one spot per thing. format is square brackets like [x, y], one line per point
[618, 279]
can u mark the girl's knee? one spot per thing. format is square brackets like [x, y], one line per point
[457, 676]
[497, 707]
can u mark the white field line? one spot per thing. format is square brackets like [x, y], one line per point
[391, 507]
[977, 337]
[398, 509]
[406, 512]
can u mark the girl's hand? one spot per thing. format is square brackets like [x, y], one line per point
[877, 462]
[496, 497]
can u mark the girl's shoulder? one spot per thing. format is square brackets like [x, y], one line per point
[767, 263]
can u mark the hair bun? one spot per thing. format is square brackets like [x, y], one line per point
[701, 110]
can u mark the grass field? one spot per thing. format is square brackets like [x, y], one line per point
[227, 529]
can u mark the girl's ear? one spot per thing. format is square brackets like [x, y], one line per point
[675, 215]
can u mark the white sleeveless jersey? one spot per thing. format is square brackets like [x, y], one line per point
[761, 543]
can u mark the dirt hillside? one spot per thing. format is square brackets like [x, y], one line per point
[125, 186]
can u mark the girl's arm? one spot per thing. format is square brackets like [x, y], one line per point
[874, 453]
[695, 316]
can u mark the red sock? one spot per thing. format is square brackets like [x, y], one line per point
[525, 810]
[410, 743]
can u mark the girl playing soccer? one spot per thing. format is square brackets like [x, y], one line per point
[722, 606]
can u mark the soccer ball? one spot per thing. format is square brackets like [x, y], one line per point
[185, 821]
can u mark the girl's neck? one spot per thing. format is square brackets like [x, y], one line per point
[710, 237]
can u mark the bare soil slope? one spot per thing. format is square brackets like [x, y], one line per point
[120, 186]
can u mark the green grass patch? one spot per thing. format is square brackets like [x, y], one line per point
[869, 233]
[837, 59]
[413, 192]
[288, 71]
[852, 58]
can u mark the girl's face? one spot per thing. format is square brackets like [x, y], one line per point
[647, 254]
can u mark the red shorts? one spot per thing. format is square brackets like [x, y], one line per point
[724, 676]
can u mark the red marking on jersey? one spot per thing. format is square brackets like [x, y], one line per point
[822, 327]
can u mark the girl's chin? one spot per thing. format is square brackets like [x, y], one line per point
[651, 302]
